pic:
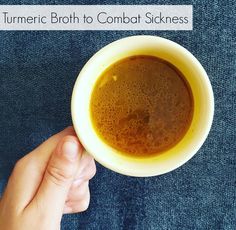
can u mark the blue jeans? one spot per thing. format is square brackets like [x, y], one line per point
[37, 73]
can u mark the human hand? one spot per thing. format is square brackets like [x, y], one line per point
[51, 180]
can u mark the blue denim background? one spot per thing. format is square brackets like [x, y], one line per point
[37, 73]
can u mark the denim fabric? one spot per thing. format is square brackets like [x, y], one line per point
[37, 73]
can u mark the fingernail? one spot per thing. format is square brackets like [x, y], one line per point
[70, 150]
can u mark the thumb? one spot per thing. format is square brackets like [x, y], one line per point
[58, 177]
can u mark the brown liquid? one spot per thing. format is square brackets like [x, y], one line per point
[141, 106]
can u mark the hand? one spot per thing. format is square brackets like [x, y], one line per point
[51, 180]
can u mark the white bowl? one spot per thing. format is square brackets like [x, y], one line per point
[202, 95]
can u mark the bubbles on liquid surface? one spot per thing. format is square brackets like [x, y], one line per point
[141, 105]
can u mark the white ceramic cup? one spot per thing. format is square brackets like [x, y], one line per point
[202, 95]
